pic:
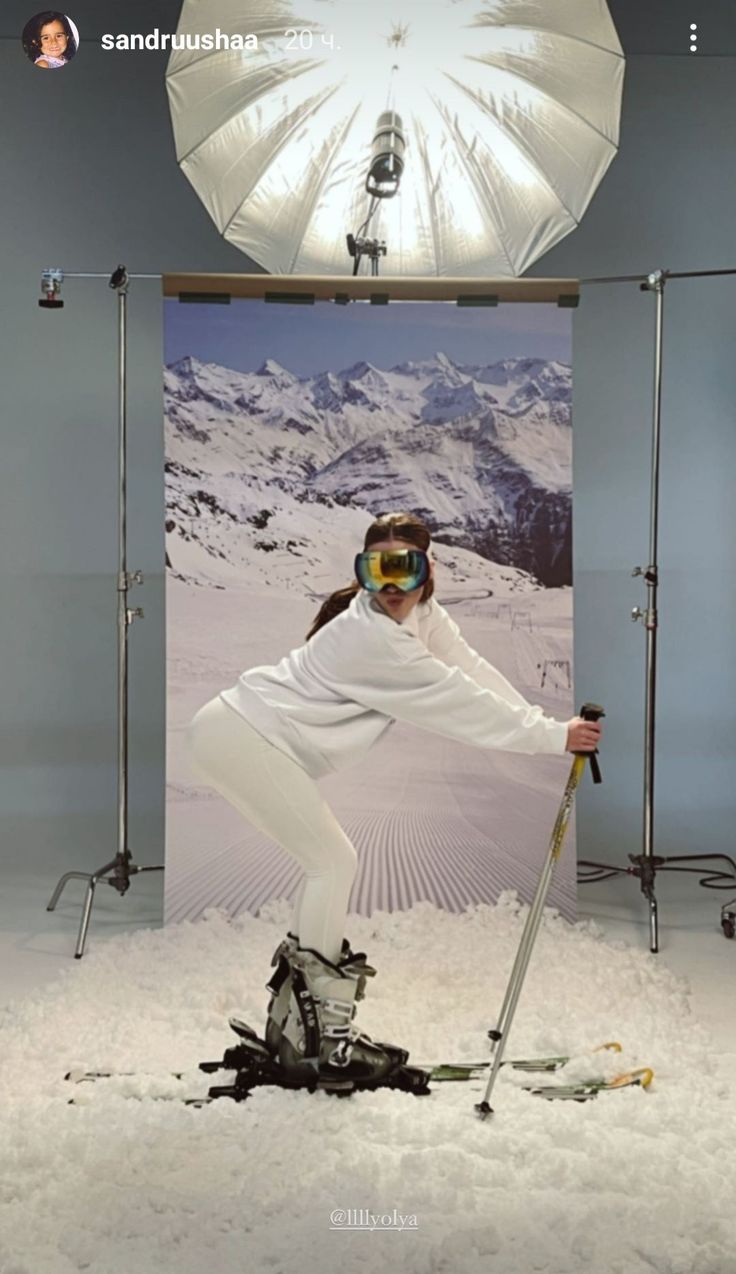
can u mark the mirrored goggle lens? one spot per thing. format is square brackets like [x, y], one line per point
[406, 569]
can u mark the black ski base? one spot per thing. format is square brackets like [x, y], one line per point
[256, 1068]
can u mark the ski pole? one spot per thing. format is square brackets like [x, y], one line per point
[498, 1037]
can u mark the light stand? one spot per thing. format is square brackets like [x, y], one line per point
[119, 871]
[647, 864]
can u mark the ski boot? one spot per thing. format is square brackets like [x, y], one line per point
[280, 986]
[318, 1040]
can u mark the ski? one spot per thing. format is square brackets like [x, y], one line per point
[89, 1077]
[185, 1101]
[471, 1070]
[404, 1078]
[583, 1091]
[580, 1092]
[254, 1067]
[449, 1072]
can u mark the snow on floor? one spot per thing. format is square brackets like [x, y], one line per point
[634, 1181]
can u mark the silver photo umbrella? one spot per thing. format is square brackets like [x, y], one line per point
[467, 137]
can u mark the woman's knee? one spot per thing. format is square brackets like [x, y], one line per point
[338, 860]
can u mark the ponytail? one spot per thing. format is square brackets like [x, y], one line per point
[335, 603]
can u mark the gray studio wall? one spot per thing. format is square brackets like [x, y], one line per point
[90, 180]
[667, 202]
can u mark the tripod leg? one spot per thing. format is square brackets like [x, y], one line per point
[77, 875]
[102, 874]
[70, 875]
[653, 925]
[122, 870]
[86, 912]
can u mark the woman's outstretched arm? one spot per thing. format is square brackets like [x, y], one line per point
[396, 675]
[446, 642]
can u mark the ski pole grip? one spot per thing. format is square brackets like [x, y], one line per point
[593, 712]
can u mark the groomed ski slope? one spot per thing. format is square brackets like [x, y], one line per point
[430, 817]
[631, 1183]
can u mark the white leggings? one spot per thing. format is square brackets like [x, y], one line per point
[283, 802]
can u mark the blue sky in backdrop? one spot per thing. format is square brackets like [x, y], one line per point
[325, 337]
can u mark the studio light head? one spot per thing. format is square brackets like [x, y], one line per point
[51, 281]
[119, 279]
[371, 247]
[382, 182]
[387, 156]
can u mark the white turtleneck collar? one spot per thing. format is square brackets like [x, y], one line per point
[410, 622]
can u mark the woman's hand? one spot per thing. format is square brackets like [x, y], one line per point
[582, 736]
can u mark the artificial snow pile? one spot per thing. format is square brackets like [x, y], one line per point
[631, 1182]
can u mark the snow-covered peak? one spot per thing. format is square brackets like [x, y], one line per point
[446, 373]
[271, 368]
[187, 367]
[361, 370]
[510, 370]
[440, 364]
[327, 392]
[447, 399]
[363, 384]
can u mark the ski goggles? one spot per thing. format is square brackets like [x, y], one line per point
[406, 568]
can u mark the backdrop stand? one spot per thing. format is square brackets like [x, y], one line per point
[119, 871]
[647, 864]
[191, 287]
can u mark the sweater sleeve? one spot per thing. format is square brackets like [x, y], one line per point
[404, 681]
[445, 640]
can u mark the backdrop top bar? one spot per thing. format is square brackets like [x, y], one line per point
[324, 287]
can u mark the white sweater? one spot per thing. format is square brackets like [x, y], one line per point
[329, 701]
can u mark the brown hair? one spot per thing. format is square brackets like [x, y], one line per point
[389, 526]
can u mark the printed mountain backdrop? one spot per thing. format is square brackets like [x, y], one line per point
[483, 453]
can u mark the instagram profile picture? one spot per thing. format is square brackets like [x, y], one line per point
[50, 40]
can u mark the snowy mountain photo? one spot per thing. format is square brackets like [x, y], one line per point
[286, 434]
[483, 453]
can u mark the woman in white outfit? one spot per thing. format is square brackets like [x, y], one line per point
[381, 650]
